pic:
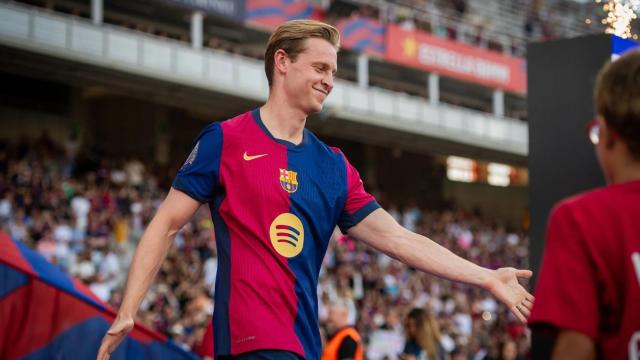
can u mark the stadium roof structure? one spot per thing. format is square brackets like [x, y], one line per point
[47, 314]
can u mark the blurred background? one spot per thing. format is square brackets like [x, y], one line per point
[101, 99]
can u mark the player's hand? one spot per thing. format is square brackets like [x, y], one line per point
[117, 332]
[504, 285]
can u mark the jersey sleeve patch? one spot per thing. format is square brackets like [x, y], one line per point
[198, 177]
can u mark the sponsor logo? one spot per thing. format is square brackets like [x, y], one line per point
[248, 157]
[287, 235]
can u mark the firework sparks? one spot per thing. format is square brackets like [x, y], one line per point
[620, 14]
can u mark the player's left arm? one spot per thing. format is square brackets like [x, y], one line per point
[380, 231]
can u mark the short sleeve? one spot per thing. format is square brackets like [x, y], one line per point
[198, 176]
[359, 203]
[567, 291]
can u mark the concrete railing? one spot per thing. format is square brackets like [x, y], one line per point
[138, 53]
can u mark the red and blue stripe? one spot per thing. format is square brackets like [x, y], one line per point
[362, 34]
[271, 13]
[47, 314]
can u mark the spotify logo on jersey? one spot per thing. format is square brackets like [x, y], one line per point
[287, 235]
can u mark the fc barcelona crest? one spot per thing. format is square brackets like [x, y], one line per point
[289, 180]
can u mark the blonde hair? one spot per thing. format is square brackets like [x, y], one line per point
[290, 37]
[427, 331]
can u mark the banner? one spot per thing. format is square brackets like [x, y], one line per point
[460, 61]
[362, 34]
[620, 46]
[268, 14]
[48, 315]
[228, 8]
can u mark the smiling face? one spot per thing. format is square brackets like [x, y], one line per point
[308, 80]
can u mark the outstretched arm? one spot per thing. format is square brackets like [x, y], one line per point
[174, 212]
[382, 232]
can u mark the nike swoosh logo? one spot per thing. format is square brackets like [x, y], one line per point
[252, 157]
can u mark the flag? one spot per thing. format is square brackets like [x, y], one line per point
[362, 34]
[270, 14]
[46, 314]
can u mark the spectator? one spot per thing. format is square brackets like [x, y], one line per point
[508, 350]
[134, 169]
[80, 206]
[423, 337]
[344, 341]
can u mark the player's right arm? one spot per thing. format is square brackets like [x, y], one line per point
[196, 183]
[175, 211]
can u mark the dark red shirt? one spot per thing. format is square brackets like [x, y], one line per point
[590, 276]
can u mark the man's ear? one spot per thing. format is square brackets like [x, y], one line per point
[281, 61]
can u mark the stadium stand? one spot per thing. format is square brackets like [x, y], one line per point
[500, 26]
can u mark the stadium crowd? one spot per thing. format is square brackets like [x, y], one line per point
[485, 25]
[87, 217]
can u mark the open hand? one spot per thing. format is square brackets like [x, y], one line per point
[117, 332]
[504, 285]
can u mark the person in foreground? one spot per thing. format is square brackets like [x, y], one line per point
[588, 293]
[276, 193]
